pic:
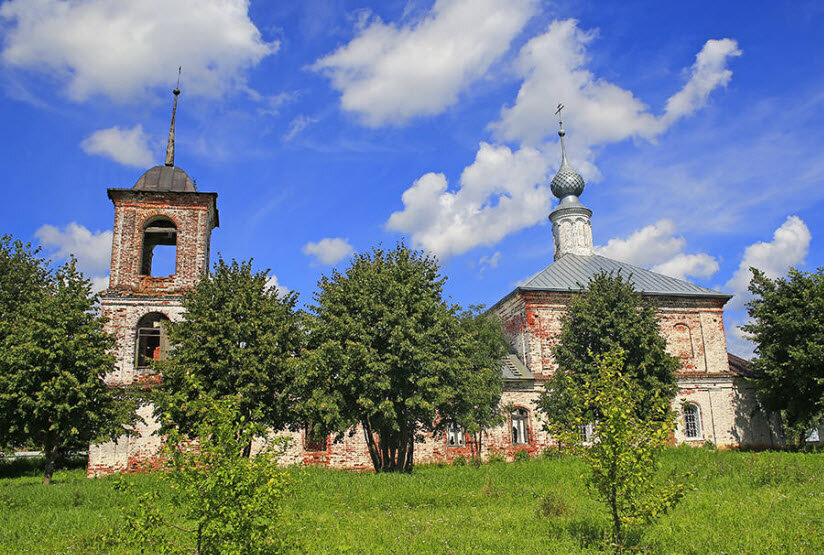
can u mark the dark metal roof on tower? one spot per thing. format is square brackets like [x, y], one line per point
[167, 177]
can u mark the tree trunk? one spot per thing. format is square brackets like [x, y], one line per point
[617, 533]
[50, 450]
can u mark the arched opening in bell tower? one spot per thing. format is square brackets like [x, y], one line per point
[151, 341]
[159, 252]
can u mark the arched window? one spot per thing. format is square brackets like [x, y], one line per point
[520, 426]
[152, 343]
[692, 421]
[159, 254]
[455, 436]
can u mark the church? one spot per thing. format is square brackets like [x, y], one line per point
[165, 216]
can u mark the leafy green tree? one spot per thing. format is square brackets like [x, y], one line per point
[388, 353]
[239, 338]
[609, 315]
[788, 328]
[52, 362]
[476, 406]
[22, 276]
[623, 451]
[222, 501]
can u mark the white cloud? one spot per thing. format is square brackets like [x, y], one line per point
[683, 265]
[123, 48]
[297, 125]
[553, 66]
[329, 250]
[490, 204]
[272, 281]
[500, 193]
[655, 246]
[789, 247]
[91, 249]
[388, 74]
[129, 147]
[490, 261]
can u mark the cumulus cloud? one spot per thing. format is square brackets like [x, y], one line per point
[554, 68]
[91, 249]
[657, 247]
[388, 74]
[486, 208]
[789, 247]
[500, 193]
[123, 48]
[329, 250]
[272, 282]
[129, 147]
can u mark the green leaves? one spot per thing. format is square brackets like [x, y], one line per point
[787, 324]
[387, 352]
[53, 356]
[239, 339]
[223, 501]
[624, 449]
[609, 315]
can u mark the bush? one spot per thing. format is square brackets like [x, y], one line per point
[495, 457]
[224, 502]
[460, 460]
[522, 455]
[552, 505]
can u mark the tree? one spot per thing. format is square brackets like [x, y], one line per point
[222, 501]
[388, 353]
[239, 338]
[788, 328]
[607, 316]
[623, 451]
[52, 362]
[476, 406]
[22, 275]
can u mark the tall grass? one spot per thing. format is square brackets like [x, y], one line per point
[742, 502]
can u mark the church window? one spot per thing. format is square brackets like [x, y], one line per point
[152, 343]
[159, 254]
[313, 443]
[692, 421]
[585, 433]
[455, 436]
[520, 426]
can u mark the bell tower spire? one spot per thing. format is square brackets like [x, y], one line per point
[170, 147]
[571, 226]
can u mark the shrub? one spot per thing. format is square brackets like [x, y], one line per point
[552, 505]
[223, 502]
[460, 460]
[522, 455]
[495, 457]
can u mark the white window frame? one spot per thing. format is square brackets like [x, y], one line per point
[699, 431]
[520, 424]
[455, 436]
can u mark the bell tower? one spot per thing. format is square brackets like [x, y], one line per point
[160, 248]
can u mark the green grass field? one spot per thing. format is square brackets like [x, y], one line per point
[742, 502]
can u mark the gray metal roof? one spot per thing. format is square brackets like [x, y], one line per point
[572, 272]
[513, 369]
[165, 178]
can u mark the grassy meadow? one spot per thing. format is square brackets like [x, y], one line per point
[741, 502]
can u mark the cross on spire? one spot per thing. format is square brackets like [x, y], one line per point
[170, 147]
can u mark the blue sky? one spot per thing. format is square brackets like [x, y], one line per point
[328, 127]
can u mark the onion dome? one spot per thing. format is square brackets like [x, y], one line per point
[567, 181]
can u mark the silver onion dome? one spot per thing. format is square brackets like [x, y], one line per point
[567, 181]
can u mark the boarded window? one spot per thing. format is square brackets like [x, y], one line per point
[520, 426]
[152, 343]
